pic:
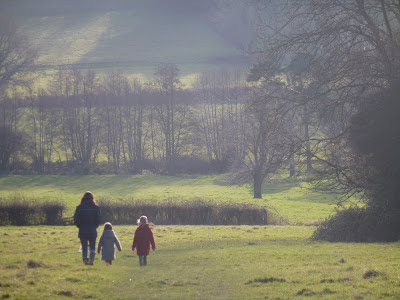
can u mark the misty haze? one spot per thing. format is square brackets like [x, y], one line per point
[199, 149]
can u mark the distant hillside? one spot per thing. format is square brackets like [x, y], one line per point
[131, 34]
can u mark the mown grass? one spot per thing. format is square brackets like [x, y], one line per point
[293, 200]
[198, 262]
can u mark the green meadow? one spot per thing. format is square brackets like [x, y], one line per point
[198, 262]
[293, 200]
[192, 262]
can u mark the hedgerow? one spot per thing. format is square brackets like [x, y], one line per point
[196, 212]
[24, 212]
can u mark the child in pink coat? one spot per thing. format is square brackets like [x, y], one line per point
[142, 240]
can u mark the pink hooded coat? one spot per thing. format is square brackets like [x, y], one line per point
[142, 240]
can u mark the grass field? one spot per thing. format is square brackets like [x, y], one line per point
[192, 262]
[293, 200]
[134, 37]
[140, 36]
[198, 262]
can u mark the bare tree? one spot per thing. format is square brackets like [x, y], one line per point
[133, 115]
[80, 126]
[17, 56]
[220, 95]
[354, 52]
[114, 86]
[298, 82]
[266, 138]
[44, 128]
[171, 115]
[10, 142]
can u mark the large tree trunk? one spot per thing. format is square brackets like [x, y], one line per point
[307, 139]
[257, 185]
[292, 166]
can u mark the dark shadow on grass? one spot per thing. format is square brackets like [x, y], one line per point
[266, 280]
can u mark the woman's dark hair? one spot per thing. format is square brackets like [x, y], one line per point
[88, 197]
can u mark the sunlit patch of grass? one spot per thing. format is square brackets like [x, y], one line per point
[189, 79]
[67, 42]
[134, 40]
[141, 35]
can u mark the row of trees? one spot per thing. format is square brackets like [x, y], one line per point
[87, 123]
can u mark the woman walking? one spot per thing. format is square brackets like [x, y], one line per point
[87, 218]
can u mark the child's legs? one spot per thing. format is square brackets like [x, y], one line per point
[142, 260]
[84, 244]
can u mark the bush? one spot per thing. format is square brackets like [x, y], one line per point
[189, 165]
[22, 212]
[356, 224]
[183, 213]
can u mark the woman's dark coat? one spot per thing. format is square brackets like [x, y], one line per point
[87, 218]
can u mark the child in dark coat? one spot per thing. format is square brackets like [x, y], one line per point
[142, 240]
[107, 241]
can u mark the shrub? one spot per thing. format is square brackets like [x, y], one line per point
[192, 165]
[51, 213]
[188, 165]
[358, 224]
[23, 212]
[197, 212]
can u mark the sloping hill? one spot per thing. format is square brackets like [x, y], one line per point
[127, 34]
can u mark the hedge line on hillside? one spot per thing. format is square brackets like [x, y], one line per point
[30, 212]
[184, 213]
